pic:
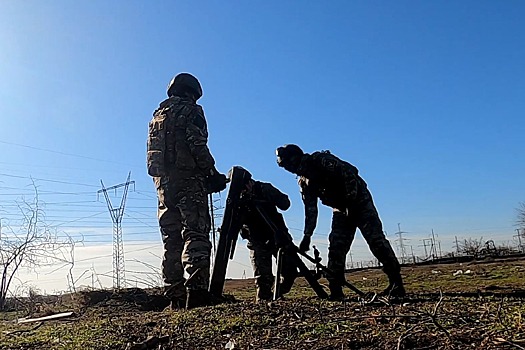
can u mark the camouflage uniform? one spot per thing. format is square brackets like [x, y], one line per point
[337, 184]
[262, 242]
[182, 198]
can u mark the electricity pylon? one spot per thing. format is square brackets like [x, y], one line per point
[401, 243]
[119, 277]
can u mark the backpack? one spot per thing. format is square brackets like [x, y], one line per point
[156, 145]
[160, 145]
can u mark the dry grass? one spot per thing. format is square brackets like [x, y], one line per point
[477, 310]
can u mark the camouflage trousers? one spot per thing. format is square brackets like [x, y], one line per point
[365, 217]
[185, 223]
[261, 256]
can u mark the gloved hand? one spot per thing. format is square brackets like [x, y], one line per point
[216, 182]
[304, 246]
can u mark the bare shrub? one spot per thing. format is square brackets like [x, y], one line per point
[471, 246]
[30, 244]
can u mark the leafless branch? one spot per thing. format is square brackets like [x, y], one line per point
[33, 245]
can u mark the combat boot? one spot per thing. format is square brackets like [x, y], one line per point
[395, 287]
[263, 294]
[197, 298]
[336, 293]
[286, 286]
[201, 297]
[177, 296]
[177, 304]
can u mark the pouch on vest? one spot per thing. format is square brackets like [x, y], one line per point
[157, 144]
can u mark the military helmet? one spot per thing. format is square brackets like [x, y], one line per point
[184, 82]
[289, 155]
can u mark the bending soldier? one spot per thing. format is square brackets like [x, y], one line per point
[337, 184]
[260, 201]
[184, 172]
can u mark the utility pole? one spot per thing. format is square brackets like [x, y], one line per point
[425, 244]
[119, 277]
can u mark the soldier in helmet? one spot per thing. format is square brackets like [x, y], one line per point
[337, 184]
[258, 199]
[184, 173]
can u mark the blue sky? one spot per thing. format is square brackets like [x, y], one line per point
[425, 98]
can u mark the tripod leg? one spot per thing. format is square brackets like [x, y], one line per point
[318, 289]
[331, 273]
[277, 281]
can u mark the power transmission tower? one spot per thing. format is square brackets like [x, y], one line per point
[119, 278]
[401, 243]
[216, 214]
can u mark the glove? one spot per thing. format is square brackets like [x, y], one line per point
[216, 183]
[304, 246]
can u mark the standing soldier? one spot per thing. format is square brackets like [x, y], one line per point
[337, 184]
[266, 232]
[184, 173]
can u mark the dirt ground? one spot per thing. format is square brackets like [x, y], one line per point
[475, 305]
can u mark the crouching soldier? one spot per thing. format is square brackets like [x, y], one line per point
[337, 184]
[266, 232]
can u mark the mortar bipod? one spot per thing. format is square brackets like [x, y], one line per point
[365, 298]
[304, 271]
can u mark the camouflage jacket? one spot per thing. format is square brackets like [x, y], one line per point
[267, 198]
[332, 180]
[187, 152]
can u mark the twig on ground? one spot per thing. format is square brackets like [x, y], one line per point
[404, 336]
[355, 318]
[498, 312]
[25, 330]
[433, 317]
[320, 309]
[508, 342]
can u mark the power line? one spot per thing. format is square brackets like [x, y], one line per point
[46, 180]
[85, 217]
[142, 222]
[62, 153]
[54, 166]
[110, 255]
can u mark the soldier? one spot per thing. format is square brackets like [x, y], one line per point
[184, 173]
[337, 184]
[260, 201]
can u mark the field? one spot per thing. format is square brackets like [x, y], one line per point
[481, 307]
